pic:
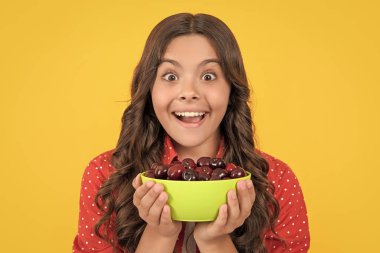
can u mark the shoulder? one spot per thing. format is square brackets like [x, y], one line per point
[99, 168]
[95, 174]
[277, 167]
[280, 173]
[102, 159]
[292, 223]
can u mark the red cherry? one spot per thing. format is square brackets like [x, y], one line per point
[175, 172]
[203, 161]
[238, 172]
[204, 169]
[230, 167]
[161, 171]
[203, 177]
[218, 174]
[189, 175]
[188, 163]
[207, 169]
[150, 174]
[216, 163]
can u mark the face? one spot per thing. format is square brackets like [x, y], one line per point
[190, 93]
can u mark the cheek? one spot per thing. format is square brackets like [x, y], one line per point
[219, 99]
[160, 100]
[156, 102]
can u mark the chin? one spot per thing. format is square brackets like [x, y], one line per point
[188, 140]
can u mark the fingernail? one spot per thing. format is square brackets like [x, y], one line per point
[224, 209]
[149, 184]
[249, 184]
[162, 197]
[242, 185]
[233, 195]
[157, 188]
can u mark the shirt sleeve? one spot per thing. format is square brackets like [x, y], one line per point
[93, 177]
[292, 224]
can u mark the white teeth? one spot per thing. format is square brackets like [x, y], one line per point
[189, 114]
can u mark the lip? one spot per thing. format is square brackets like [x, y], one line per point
[190, 110]
[191, 125]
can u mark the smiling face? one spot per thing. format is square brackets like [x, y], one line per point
[190, 94]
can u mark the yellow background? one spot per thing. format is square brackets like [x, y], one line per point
[65, 70]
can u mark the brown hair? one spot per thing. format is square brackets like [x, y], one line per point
[141, 138]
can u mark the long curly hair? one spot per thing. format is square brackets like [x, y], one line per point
[141, 139]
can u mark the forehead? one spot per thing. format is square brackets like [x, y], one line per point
[190, 48]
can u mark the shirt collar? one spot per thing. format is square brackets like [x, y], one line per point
[171, 155]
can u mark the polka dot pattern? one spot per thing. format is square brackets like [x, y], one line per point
[292, 224]
[97, 171]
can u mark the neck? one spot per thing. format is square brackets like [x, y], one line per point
[208, 148]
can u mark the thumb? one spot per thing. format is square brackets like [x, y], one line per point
[137, 181]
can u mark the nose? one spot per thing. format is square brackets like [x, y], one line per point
[189, 92]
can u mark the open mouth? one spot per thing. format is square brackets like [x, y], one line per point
[190, 117]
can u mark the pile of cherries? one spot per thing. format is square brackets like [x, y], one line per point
[205, 169]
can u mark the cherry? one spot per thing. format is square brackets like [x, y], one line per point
[189, 175]
[204, 169]
[161, 171]
[175, 172]
[216, 163]
[188, 163]
[150, 174]
[230, 167]
[218, 174]
[238, 172]
[203, 161]
[203, 176]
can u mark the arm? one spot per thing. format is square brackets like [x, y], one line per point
[161, 232]
[292, 224]
[150, 239]
[94, 175]
[214, 236]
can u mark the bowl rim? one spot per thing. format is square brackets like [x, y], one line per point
[247, 176]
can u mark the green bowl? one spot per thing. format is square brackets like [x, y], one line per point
[196, 201]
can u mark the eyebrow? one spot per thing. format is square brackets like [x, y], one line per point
[177, 64]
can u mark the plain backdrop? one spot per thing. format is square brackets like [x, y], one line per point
[65, 73]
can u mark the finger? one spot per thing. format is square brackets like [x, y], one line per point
[244, 199]
[141, 191]
[221, 220]
[156, 209]
[166, 218]
[251, 190]
[137, 181]
[233, 206]
[149, 198]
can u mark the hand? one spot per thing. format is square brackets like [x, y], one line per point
[231, 215]
[150, 200]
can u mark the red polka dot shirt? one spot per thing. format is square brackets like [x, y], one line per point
[292, 224]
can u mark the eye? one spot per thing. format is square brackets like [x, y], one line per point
[170, 77]
[209, 76]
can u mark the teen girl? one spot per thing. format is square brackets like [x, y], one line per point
[189, 99]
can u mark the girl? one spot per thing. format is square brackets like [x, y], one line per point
[189, 99]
